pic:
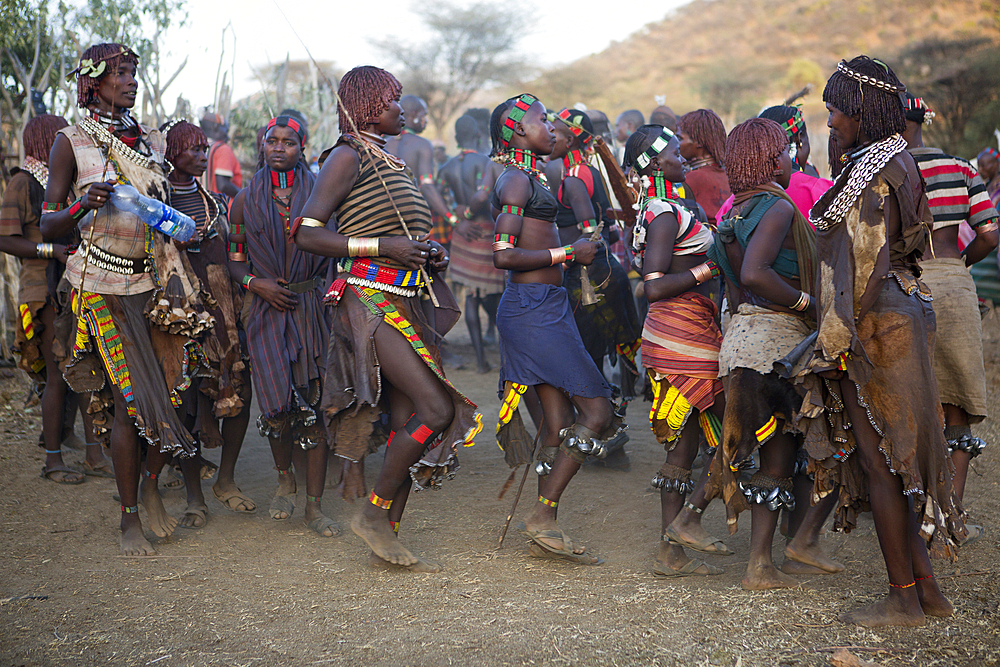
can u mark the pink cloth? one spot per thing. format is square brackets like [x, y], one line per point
[803, 189]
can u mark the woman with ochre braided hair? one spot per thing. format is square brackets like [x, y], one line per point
[139, 310]
[540, 344]
[225, 393]
[680, 344]
[383, 359]
[766, 250]
[702, 138]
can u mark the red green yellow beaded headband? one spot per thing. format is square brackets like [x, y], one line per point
[514, 117]
[661, 142]
[574, 124]
[794, 125]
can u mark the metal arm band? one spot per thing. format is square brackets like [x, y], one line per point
[44, 251]
[362, 247]
[653, 276]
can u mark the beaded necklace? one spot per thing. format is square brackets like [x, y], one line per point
[574, 158]
[527, 162]
[113, 144]
[374, 144]
[122, 122]
[658, 188]
[282, 179]
[36, 169]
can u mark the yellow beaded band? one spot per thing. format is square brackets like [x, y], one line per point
[362, 247]
[545, 501]
[379, 502]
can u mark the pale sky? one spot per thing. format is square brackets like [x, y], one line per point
[340, 31]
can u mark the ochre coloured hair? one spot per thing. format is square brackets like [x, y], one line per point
[365, 92]
[39, 135]
[110, 53]
[704, 127]
[881, 111]
[182, 136]
[753, 150]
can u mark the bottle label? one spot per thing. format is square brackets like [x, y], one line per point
[166, 224]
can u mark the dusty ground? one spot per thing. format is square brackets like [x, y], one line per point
[247, 590]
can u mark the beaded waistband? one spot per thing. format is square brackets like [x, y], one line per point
[367, 270]
[102, 259]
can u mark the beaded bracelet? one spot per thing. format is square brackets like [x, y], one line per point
[468, 214]
[588, 226]
[77, 210]
[246, 281]
[513, 210]
[48, 207]
[452, 218]
[504, 242]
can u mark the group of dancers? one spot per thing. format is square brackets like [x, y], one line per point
[831, 292]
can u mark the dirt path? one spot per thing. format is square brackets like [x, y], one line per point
[246, 590]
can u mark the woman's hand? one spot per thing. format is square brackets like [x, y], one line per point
[439, 257]
[274, 292]
[585, 251]
[59, 252]
[411, 254]
[97, 195]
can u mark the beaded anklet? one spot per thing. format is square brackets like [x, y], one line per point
[149, 475]
[375, 500]
[395, 526]
[286, 471]
[313, 499]
[696, 510]
[56, 451]
[130, 510]
[909, 585]
[545, 501]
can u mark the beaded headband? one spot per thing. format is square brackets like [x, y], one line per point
[794, 125]
[918, 104]
[574, 124]
[661, 142]
[520, 108]
[285, 121]
[869, 80]
[992, 151]
[95, 68]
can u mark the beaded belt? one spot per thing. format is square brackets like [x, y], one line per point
[102, 259]
[369, 271]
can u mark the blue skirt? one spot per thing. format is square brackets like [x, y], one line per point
[540, 342]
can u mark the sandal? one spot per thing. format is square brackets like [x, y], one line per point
[709, 545]
[972, 537]
[281, 504]
[105, 469]
[171, 480]
[321, 523]
[233, 500]
[536, 535]
[689, 569]
[65, 470]
[536, 550]
[198, 512]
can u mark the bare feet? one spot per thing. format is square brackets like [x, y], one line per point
[133, 542]
[352, 480]
[794, 567]
[161, 523]
[813, 556]
[892, 610]
[195, 516]
[932, 600]
[378, 534]
[484, 367]
[766, 578]
[421, 566]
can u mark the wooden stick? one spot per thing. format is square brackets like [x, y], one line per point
[527, 466]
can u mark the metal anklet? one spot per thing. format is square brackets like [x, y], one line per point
[971, 446]
[774, 492]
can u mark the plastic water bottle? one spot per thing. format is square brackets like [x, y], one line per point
[154, 213]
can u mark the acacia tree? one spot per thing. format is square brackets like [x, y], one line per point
[960, 79]
[471, 47]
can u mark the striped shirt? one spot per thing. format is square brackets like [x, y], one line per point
[955, 192]
[367, 211]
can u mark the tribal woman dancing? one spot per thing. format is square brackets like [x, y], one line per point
[539, 341]
[139, 312]
[609, 328]
[383, 355]
[766, 250]
[881, 440]
[680, 344]
[225, 394]
[41, 338]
